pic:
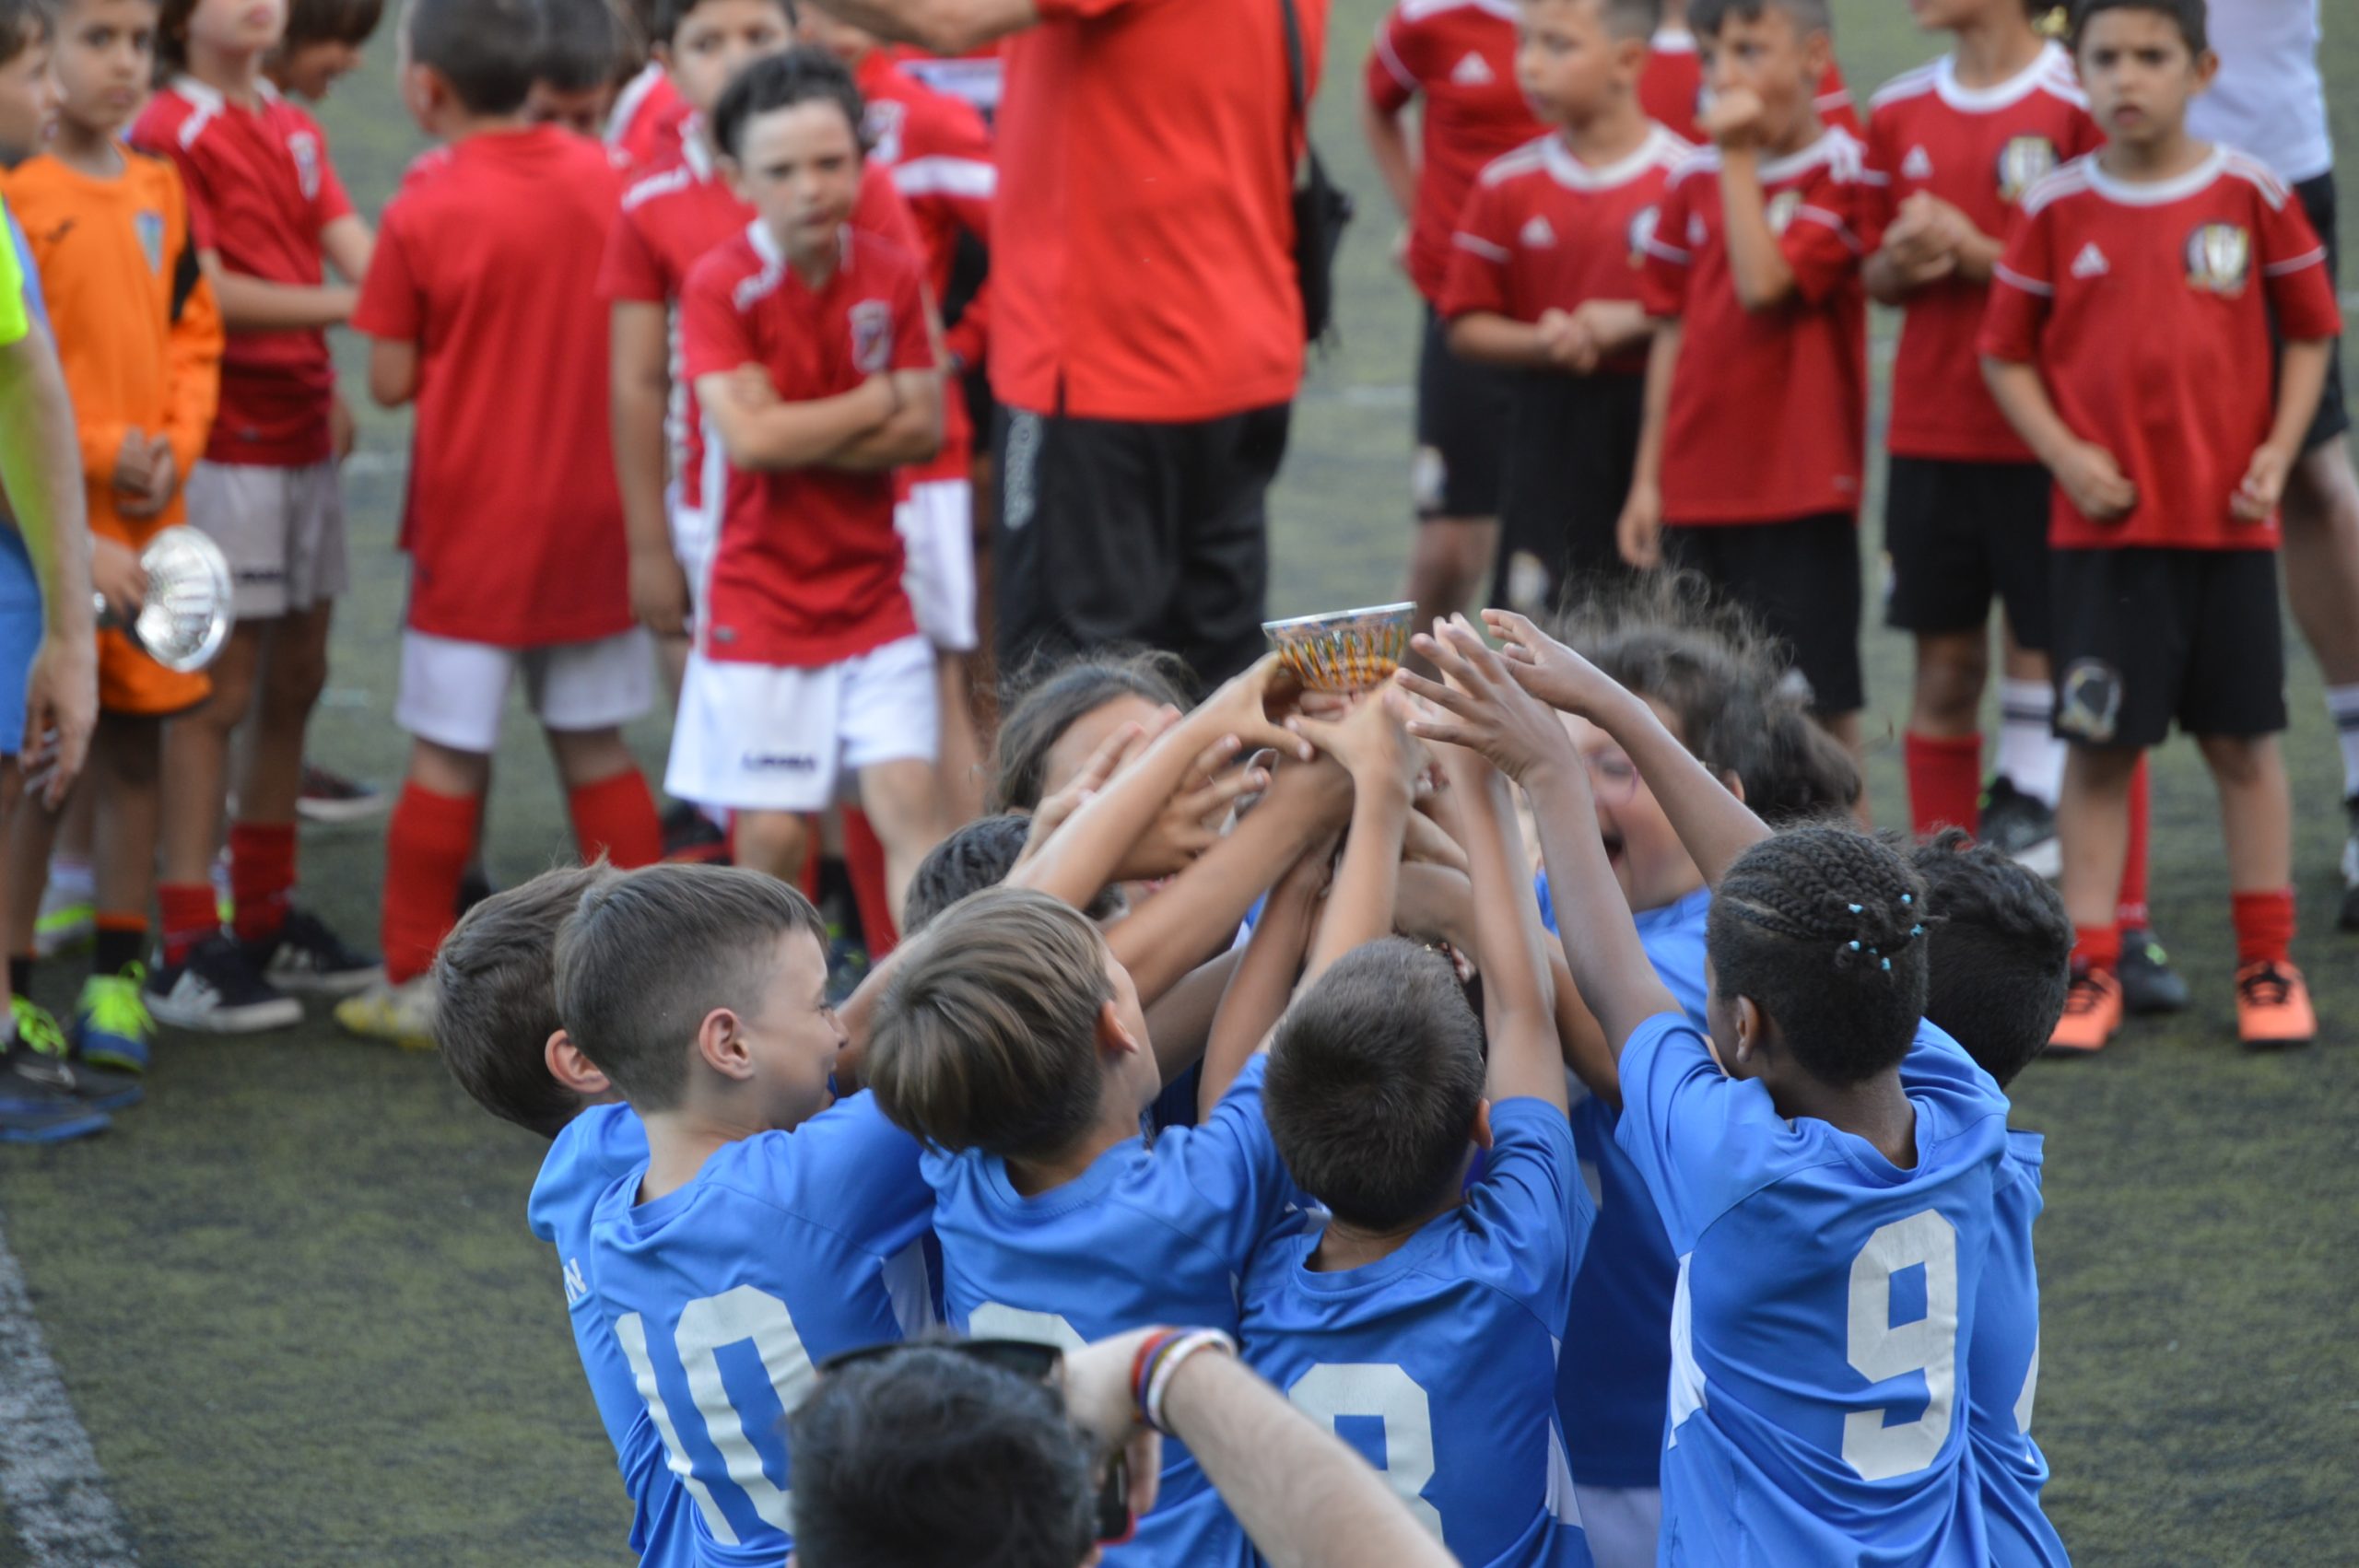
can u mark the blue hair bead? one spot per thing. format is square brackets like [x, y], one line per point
[1909, 898]
[1855, 908]
[1916, 931]
[1887, 963]
[1855, 947]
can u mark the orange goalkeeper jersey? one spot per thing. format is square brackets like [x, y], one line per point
[136, 323]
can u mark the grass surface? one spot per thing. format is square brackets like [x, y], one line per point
[295, 1302]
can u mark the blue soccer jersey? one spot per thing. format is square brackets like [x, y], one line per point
[786, 1248]
[1824, 1300]
[1616, 1360]
[1144, 1236]
[589, 1154]
[1438, 1362]
[2004, 1374]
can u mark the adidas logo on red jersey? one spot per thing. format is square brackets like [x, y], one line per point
[1536, 234]
[1473, 72]
[1918, 165]
[2090, 261]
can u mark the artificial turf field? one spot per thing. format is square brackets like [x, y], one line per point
[294, 1304]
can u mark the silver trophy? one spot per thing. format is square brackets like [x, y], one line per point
[186, 617]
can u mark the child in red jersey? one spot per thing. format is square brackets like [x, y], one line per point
[267, 492]
[1749, 468]
[487, 264]
[1544, 281]
[1458, 57]
[320, 45]
[2128, 341]
[1671, 88]
[809, 344]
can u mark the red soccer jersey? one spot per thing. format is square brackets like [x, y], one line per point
[808, 569]
[647, 124]
[1151, 150]
[2146, 308]
[974, 78]
[670, 221]
[489, 262]
[1671, 89]
[1978, 149]
[261, 189]
[1544, 231]
[1769, 410]
[1459, 55]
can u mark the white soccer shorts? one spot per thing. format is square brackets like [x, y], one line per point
[282, 529]
[452, 693]
[764, 738]
[938, 528]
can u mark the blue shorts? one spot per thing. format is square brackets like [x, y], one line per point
[20, 634]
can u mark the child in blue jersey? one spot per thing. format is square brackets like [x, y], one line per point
[1419, 1315]
[504, 1043]
[770, 1226]
[1831, 1220]
[1012, 1041]
[2001, 963]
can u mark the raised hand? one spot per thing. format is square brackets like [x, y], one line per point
[1371, 742]
[1548, 670]
[1483, 707]
[1241, 707]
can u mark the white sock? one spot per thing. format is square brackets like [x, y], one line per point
[72, 880]
[2030, 756]
[2343, 705]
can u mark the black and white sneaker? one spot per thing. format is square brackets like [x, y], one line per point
[2020, 826]
[330, 797]
[307, 959]
[217, 992]
[2349, 919]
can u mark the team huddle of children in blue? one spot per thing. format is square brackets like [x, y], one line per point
[1697, 1234]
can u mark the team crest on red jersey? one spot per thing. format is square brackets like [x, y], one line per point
[1782, 207]
[1642, 229]
[2023, 160]
[304, 148]
[880, 126]
[871, 337]
[2219, 258]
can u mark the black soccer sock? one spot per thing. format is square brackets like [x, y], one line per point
[115, 948]
[20, 974]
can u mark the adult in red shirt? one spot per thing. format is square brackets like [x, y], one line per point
[1146, 326]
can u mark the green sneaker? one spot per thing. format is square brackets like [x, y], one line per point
[40, 1052]
[111, 1022]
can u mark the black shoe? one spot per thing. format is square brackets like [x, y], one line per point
[2020, 826]
[216, 990]
[307, 959]
[2349, 919]
[2149, 984]
[331, 796]
[689, 834]
[474, 886]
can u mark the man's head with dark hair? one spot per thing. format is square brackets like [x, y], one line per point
[1375, 1084]
[928, 1458]
[586, 49]
[975, 856]
[2189, 18]
[481, 53]
[671, 974]
[496, 977]
[2001, 953]
[1043, 732]
[778, 82]
[1822, 928]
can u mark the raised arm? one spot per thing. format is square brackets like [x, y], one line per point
[1384, 763]
[1264, 980]
[1525, 1060]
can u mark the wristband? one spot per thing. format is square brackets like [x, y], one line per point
[1159, 1361]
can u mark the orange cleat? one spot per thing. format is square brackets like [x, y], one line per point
[2272, 1007]
[2092, 1013]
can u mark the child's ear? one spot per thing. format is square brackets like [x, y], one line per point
[570, 1068]
[2207, 65]
[721, 1041]
[1752, 1029]
[1818, 55]
[1480, 1134]
[1730, 776]
[1114, 1036]
[735, 174]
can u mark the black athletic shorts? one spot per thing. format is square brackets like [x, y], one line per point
[1573, 443]
[2316, 196]
[1116, 531]
[1801, 581]
[2144, 636]
[1961, 534]
[1461, 430]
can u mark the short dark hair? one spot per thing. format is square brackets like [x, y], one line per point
[1822, 927]
[804, 74]
[986, 1036]
[975, 856]
[2001, 956]
[1797, 773]
[331, 21]
[1705, 17]
[1630, 19]
[2190, 17]
[648, 953]
[495, 978]
[23, 23]
[1374, 1080]
[1054, 695]
[488, 50]
[665, 17]
[929, 1458]
[584, 46]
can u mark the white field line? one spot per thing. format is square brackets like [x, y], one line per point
[49, 1474]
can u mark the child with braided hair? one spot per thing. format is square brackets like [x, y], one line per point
[1824, 1165]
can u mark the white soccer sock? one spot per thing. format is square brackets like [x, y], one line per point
[2343, 705]
[2030, 756]
[71, 879]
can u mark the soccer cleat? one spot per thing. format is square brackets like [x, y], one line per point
[2092, 1013]
[2349, 919]
[67, 922]
[2149, 984]
[2020, 826]
[307, 959]
[35, 1112]
[2274, 1007]
[689, 834]
[41, 1054]
[111, 1025]
[331, 798]
[216, 990]
[401, 1014]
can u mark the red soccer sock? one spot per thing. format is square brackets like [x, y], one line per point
[1944, 781]
[2097, 947]
[427, 843]
[2264, 926]
[190, 916]
[616, 818]
[864, 857]
[2132, 910]
[262, 877]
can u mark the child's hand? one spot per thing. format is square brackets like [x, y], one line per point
[133, 469]
[1918, 245]
[2263, 486]
[1114, 754]
[1483, 708]
[119, 578]
[1192, 820]
[1732, 120]
[1565, 338]
[1550, 670]
[1371, 742]
[1241, 707]
[1638, 532]
[2095, 485]
[658, 592]
[343, 432]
